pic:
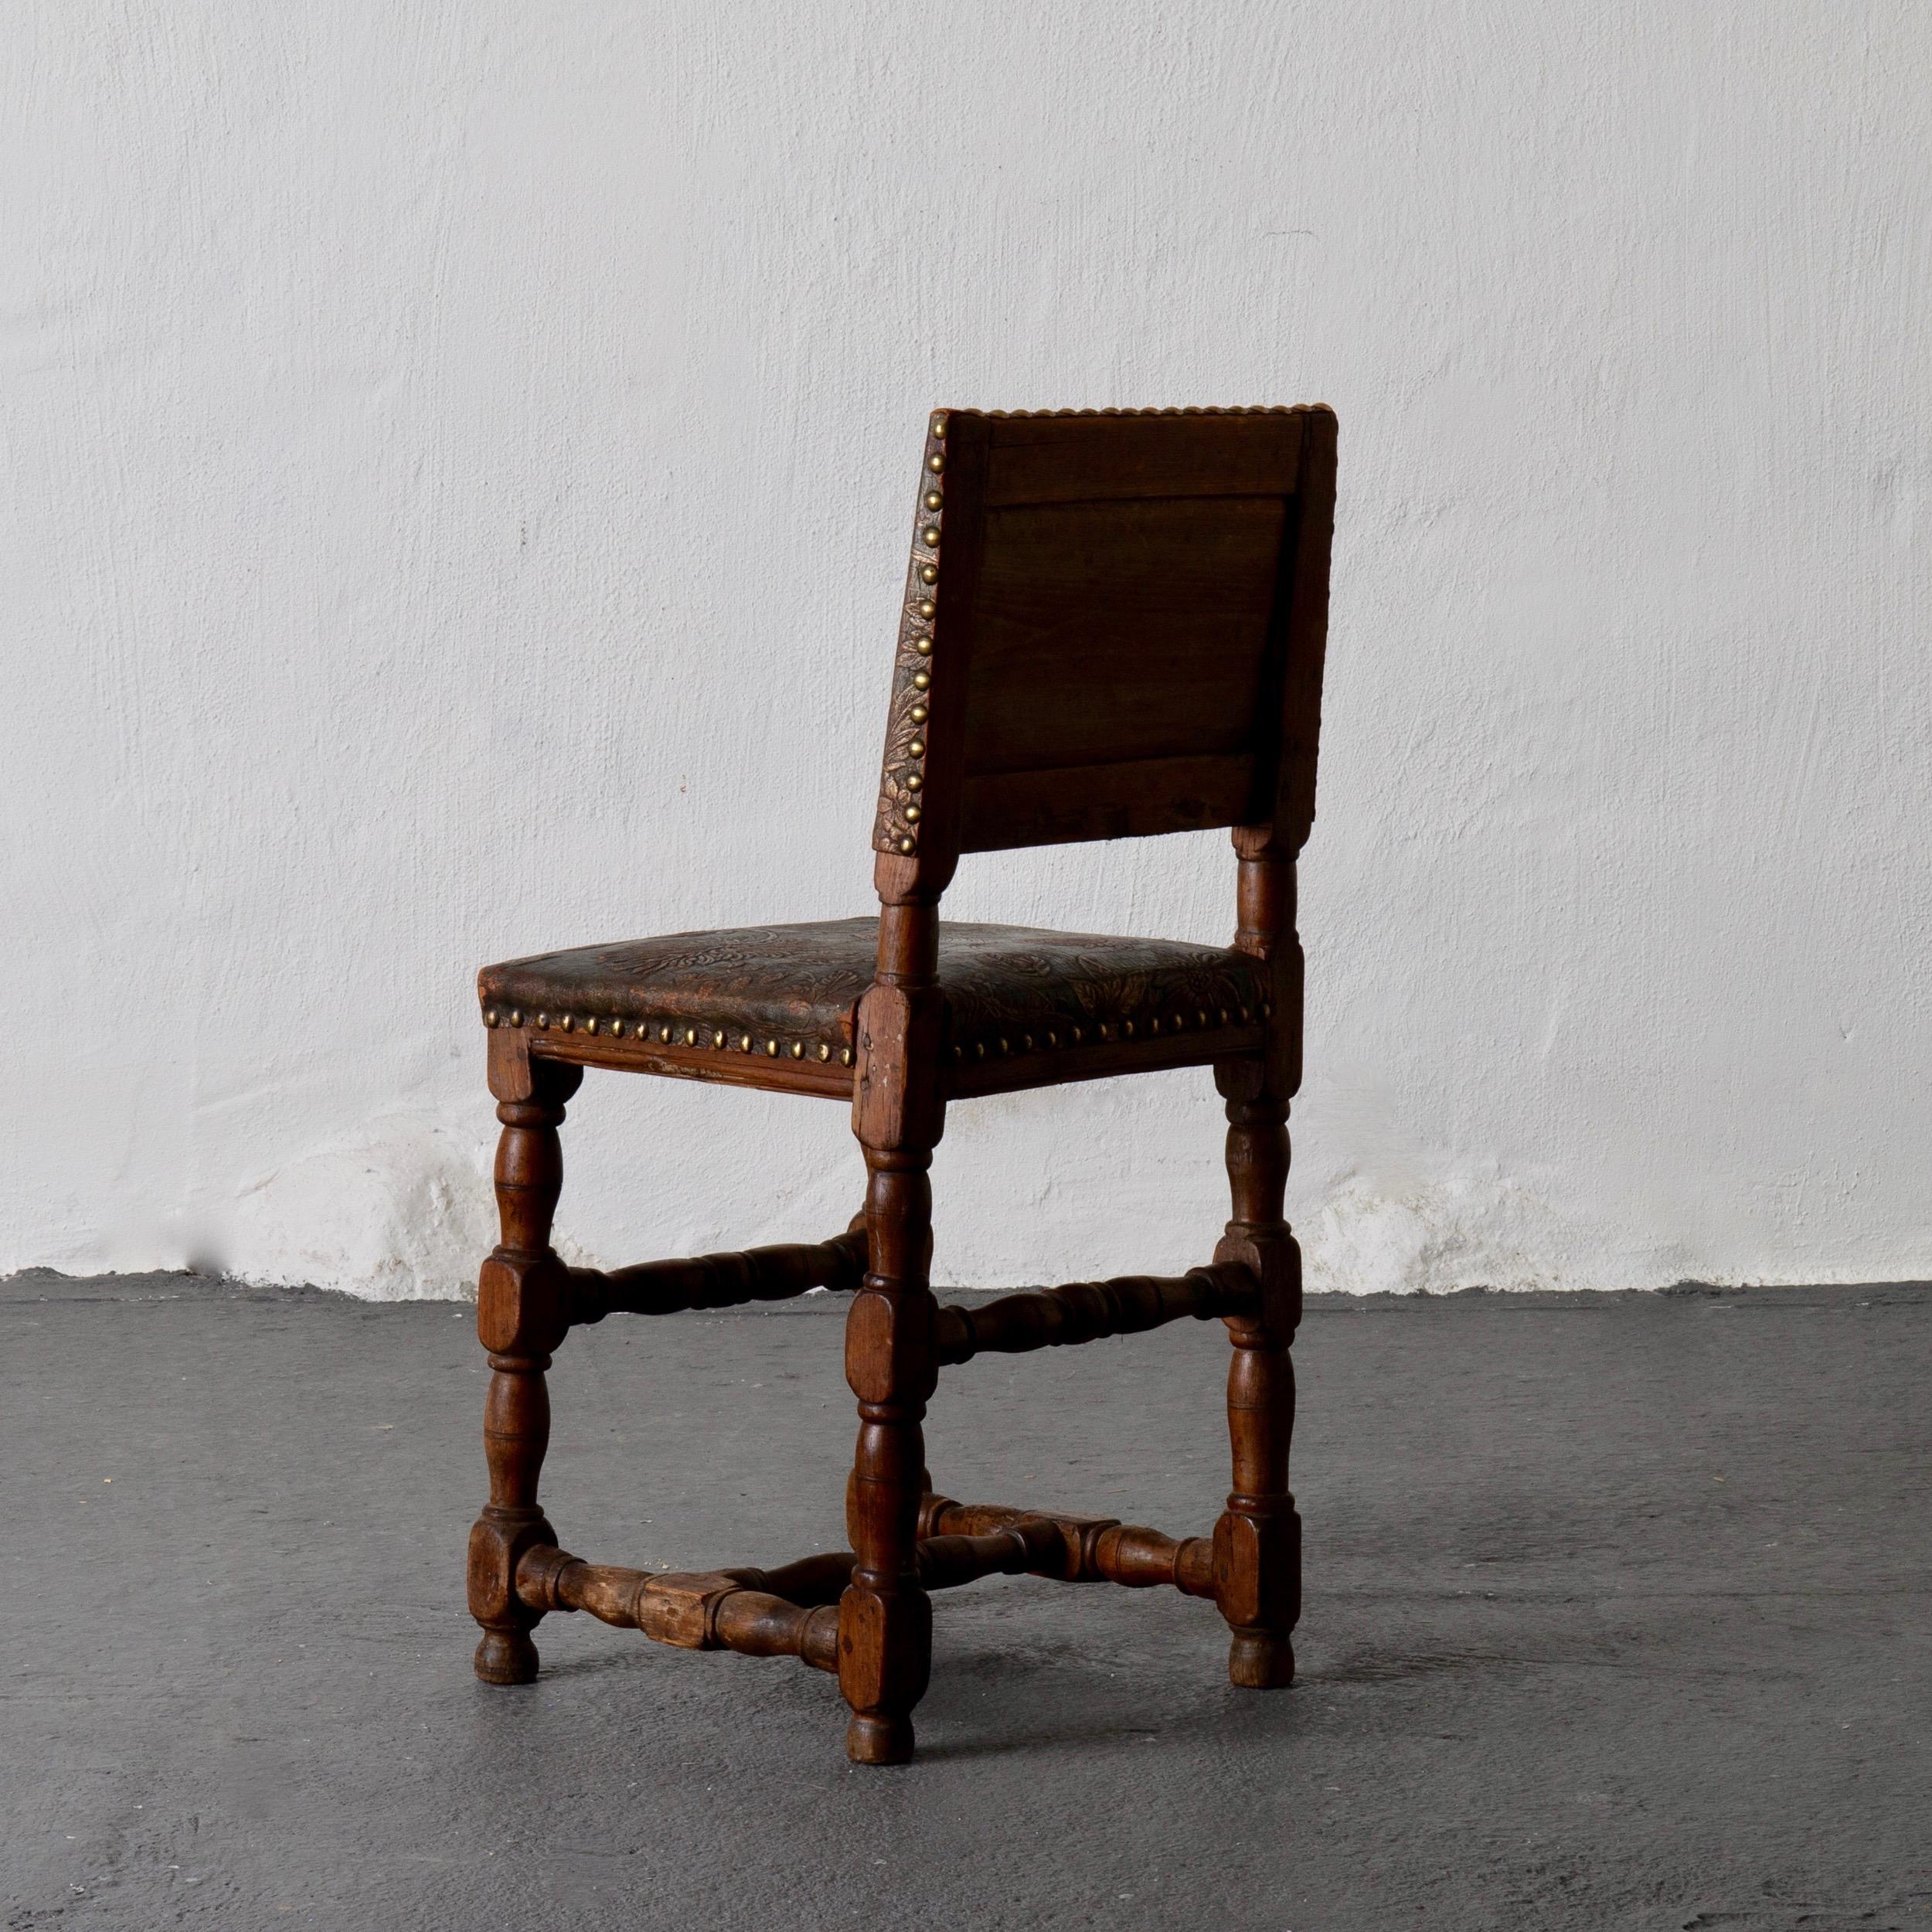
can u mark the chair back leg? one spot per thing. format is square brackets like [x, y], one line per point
[1257, 1541]
[885, 1618]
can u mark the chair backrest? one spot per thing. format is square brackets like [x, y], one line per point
[1114, 626]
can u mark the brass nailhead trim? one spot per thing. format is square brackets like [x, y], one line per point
[907, 845]
[568, 1022]
[516, 1018]
[923, 645]
[929, 537]
[933, 499]
[929, 574]
[824, 1051]
[744, 1042]
[927, 608]
[772, 1048]
[490, 1016]
[844, 1056]
[935, 462]
[922, 679]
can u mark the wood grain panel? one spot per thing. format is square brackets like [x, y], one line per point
[1072, 458]
[1106, 801]
[1106, 633]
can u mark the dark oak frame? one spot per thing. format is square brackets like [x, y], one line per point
[864, 1613]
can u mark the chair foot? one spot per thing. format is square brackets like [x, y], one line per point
[1257, 1661]
[874, 1740]
[506, 1657]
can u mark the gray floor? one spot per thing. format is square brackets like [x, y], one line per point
[1617, 1617]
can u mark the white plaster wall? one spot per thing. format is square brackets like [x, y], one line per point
[458, 457]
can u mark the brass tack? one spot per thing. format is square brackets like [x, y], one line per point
[916, 750]
[1127, 1029]
[1154, 1025]
[959, 1052]
[933, 499]
[1267, 1010]
[929, 537]
[844, 1056]
[914, 781]
[490, 1016]
[1200, 1019]
[691, 1036]
[929, 574]
[616, 1029]
[1005, 1048]
[824, 1051]
[923, 644]
[797, 1049]
[772, 1048]
[1244, 1015]
[1026, 1043]
[917, 714]
[1224, 1016]
[744, 1042]
[905, 845]
[979, 1049]
[717, 1036]
[663, 1034]
[568, 1022]
[1052, 1039]
[939, 425]
[590, 1025]
[922, 679]
[935, 462]
[516, 1016]
[1104, 1031]
[927, 608]
[913, 814]
[1076, 1035]
[543, 1020]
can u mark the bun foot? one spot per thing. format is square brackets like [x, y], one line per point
[506, 1657]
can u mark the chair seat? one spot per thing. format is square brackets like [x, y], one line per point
[792, 992]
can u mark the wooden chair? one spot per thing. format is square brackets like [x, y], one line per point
[1113, 626]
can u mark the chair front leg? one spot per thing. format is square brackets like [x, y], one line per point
[885, 1618]
[1257, 1541]
[519, 1320]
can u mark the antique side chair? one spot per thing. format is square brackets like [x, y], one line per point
[1113, 626]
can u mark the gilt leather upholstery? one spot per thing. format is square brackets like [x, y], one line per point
[1007, 987]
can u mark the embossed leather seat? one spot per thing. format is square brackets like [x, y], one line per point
[1111, 626]
[792, 993]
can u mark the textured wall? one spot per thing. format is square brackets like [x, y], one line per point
[458, 459]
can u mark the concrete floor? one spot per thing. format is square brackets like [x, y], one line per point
[1617, 1617]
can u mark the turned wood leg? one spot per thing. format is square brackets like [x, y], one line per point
[519, 1321]
[1257, 1541]
[885, 1618]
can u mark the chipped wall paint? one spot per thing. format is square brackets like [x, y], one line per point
[458, 459]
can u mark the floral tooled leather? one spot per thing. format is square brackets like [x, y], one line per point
[1001, 983]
